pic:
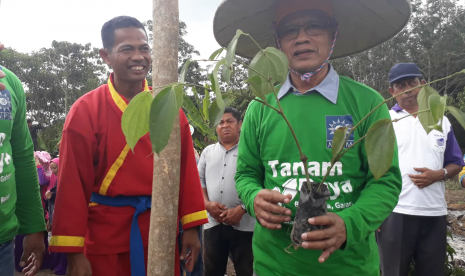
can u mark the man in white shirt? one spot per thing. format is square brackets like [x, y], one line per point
[417, 229]
[230, 228]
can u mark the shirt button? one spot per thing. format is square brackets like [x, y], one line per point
[225, 165]
[221, 191]
[222, 177]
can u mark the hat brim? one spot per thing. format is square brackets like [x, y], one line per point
[406, 76]
[363, 24]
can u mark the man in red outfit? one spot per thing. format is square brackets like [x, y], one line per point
[101, 218]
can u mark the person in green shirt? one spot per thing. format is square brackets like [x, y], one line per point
[21, 209]
[316, 101]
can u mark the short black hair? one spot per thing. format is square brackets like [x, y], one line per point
[236, 113]
[29, 121]
[120, 22]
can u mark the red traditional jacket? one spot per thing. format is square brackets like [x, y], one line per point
[94, 157]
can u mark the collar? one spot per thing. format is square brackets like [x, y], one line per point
[221, 145]
[120, 101]
[328, 88]
[397, 108]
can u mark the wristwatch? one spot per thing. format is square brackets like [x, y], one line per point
[445, 174]
[243, 207]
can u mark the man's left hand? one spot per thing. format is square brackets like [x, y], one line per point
[427, 177]
[328, 239]
[190, 240]
[233, 216]
[33, 253]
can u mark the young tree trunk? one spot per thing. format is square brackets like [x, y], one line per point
[166, 168]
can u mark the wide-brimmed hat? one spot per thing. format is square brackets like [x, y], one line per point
[363, 24]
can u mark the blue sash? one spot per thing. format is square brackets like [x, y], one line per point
[141, 204]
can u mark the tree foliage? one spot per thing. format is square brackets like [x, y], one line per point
[54, 78]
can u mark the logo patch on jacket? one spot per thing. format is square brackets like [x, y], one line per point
[440, 142]
[335, 122]
[5, 105]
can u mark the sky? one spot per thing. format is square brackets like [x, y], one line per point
[29, 25]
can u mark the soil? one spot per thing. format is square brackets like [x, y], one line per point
[311, 204]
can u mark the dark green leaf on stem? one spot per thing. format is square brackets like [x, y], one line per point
[256, 85]
[179, 90]
[184, 70]
[216, 113]
[426, 118]
[135, 120]
[338, 143]
[458, 114]
[216, 54]
[380, 143]
[231, 51]
[270, 64]
[162, 115]
[280, 65]
[437, 104]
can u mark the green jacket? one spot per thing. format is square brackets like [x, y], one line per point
[268, 158]
[21, 209]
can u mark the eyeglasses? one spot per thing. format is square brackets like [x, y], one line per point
[311, 29]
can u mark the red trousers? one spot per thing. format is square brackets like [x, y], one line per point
[119, 264]
[113, 265]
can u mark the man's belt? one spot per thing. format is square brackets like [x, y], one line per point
[141, 204]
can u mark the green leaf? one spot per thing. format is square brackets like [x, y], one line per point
[135, 120]
[196, 95]
[206, 105]
[231, 51]
[426, 118]
[280, 65]
[380, 143]
[198, 144]
[184, 70]
[216, 113]
[41, 143]
[437, 105]
[195, 117]
[269, 64]
[338, 143]
[215, 85]
[179, 91]
[162, 116]
[216, 54]
[458, 114]
[190, 107]
[256, 85]
[226, 74]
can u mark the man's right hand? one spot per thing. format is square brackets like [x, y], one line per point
[2, 75]
[78, 265]
[268, 212]
[215, 210]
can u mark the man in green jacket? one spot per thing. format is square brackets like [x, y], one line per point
[21, 209]
[316, 101]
